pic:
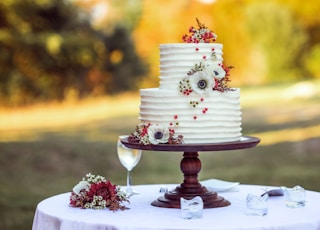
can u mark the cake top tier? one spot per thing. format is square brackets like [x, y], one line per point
[195, 66]
[179, 60]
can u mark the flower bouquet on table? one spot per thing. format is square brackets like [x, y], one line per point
[97, 192]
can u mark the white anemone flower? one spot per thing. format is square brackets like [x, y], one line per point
[82, 185]
[158, 134]
[201, 82]
[215, 70]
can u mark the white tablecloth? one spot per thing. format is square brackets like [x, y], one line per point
[54, 213]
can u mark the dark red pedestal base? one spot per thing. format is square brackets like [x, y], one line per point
[190, 166]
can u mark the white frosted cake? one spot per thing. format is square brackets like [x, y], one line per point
[193, 103]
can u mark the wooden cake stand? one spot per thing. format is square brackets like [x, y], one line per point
[190, 166]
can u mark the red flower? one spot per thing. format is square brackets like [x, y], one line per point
[104, 189]
[192, 29]
[171, 131]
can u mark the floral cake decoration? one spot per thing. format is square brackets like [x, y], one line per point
[155, 134]
[96, 192]
[209, 74]
[200, 35]
[206, 76]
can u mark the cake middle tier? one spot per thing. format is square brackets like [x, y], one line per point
[211, 118]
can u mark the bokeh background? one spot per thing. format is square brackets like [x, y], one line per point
[70, 71]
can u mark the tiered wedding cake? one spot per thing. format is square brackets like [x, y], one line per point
[193, 103]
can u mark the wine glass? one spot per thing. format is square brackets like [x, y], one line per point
[129, 158]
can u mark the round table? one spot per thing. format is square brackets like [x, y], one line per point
[55, 213]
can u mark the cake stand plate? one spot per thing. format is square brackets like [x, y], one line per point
[190, 166]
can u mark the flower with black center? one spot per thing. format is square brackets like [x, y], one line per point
[201, 82]
[158, 134]
[215, 70]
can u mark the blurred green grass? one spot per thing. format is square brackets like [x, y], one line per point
[52, 162]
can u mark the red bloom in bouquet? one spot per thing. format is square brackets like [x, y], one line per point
[98, 193]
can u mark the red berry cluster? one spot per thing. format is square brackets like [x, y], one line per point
[204, 110]
[187, 91]
[200, 35]
[144, 130]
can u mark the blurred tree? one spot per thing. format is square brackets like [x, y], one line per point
[280, 38]
[308, 16]
[50, 51]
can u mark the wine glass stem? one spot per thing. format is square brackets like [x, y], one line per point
[128, 189]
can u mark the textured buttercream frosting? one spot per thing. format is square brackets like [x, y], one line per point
[220, 123]
[177, 59]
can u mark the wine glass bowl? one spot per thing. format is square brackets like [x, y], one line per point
[129, 158]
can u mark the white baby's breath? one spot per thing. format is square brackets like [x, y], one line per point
[93, 179]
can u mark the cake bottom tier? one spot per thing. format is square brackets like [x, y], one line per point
[211, 118]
